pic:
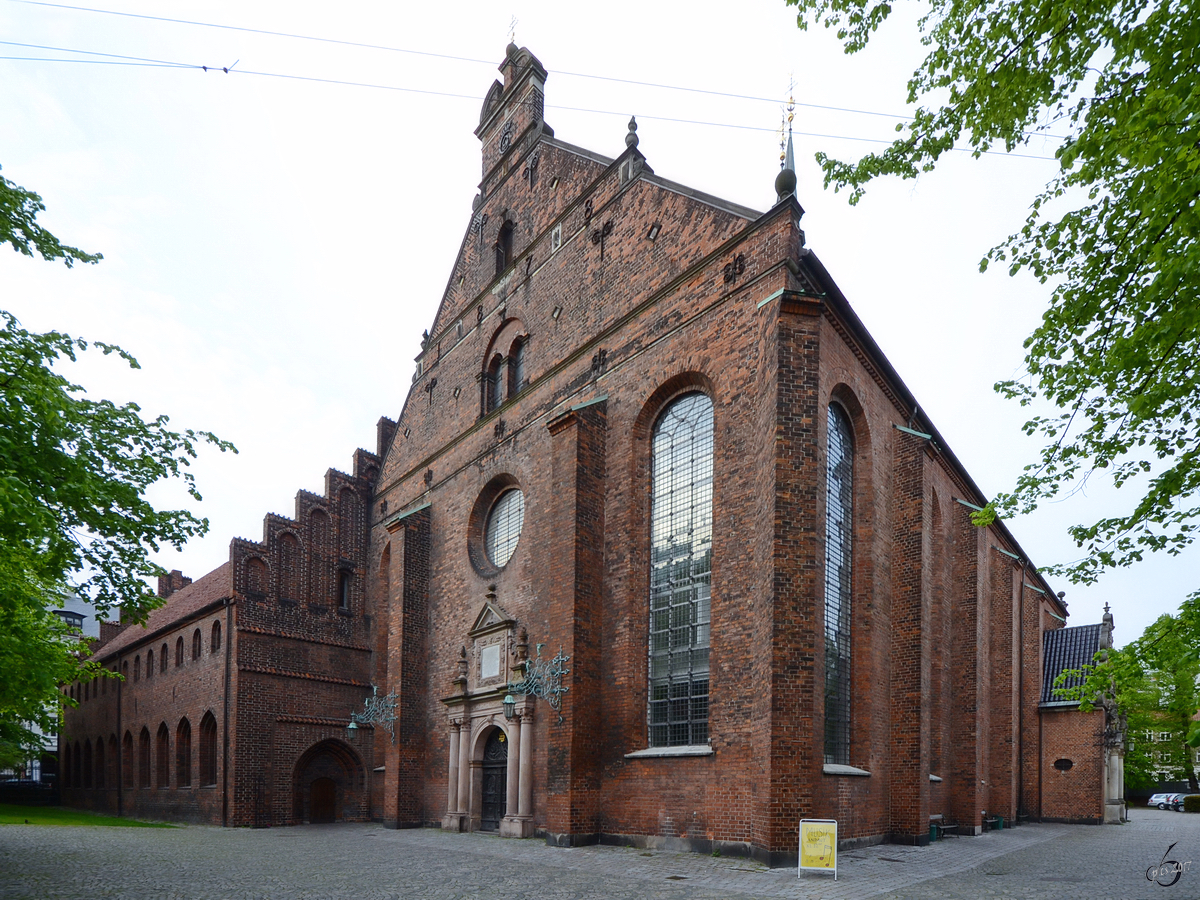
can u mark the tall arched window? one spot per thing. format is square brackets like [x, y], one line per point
[839, 529]
[88, 763]
[162, 763]
[680, 572]
[183, 754]
[491, 385]
[516, 368]
[197, 644]
[127, 761]
[137, 668]
[149, 664]
[208, 749]
[100, 767]
[162, 659]
[114, 756]
[179, 652]
[144, 758]
[215, 641]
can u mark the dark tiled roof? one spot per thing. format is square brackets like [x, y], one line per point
[179, 606]
[1067, 648]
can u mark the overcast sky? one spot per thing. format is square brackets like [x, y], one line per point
[274, 246]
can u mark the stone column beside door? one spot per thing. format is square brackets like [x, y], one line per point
[518, 820]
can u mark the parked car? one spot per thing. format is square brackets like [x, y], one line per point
[1164, 801]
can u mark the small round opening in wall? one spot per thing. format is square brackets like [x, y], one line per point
[503, 529]
[1063, 765]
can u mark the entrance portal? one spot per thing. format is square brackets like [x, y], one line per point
[495, 781]
[322, 803]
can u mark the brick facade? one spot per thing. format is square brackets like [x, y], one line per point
[590, 294]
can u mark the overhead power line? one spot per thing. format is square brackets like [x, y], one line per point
[468, 59]
[119, 59]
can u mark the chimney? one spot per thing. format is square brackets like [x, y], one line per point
[171, 582]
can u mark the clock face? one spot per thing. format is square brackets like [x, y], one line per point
[506, 138]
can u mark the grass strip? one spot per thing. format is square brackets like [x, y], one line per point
[12, 814]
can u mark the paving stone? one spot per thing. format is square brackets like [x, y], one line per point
[333, 862]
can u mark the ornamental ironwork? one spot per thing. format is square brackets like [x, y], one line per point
[378, 711]
[544, 678]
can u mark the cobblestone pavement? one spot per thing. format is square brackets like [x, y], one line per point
[370, 862]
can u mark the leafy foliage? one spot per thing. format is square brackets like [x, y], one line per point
[19, 227]
[73, 510]
[1116, 233]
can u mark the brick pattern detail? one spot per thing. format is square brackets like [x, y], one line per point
[575, 606]
[408, 637]
[910, 687]
[1076, 795]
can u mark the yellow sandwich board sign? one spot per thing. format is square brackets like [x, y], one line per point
[818, 845]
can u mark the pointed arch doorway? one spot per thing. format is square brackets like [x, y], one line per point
[495, 781]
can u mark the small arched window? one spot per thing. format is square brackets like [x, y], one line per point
[88, 763]
[215, 642]
[137, 668]
[839, 531]
[197, 644]
[516, 368]
[504, 247]
[491, 384]
[162, 659]
[149, 664]
[345, 580]
[179, 651]
[100, 767]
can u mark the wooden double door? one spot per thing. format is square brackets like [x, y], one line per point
[495, 781]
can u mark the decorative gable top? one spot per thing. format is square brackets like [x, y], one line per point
[491, 619]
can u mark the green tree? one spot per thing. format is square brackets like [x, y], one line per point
[1114, 232]
[73, 510]
[1153, 680]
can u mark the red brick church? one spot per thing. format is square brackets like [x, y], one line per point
[659, 551]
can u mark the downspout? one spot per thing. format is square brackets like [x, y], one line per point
[225, 727]
[1021, 697]
[1041, 767]
[120, 746]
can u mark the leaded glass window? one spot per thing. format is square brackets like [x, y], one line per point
[504, 527]
[838, 546]
[681, 572]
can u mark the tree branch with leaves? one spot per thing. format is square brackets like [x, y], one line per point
[1115, 233]
[74, 517]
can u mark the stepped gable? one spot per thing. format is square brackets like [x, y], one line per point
[563, 246]
[182, 605]
[302, 558]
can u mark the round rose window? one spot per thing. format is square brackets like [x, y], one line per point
[503, 528]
